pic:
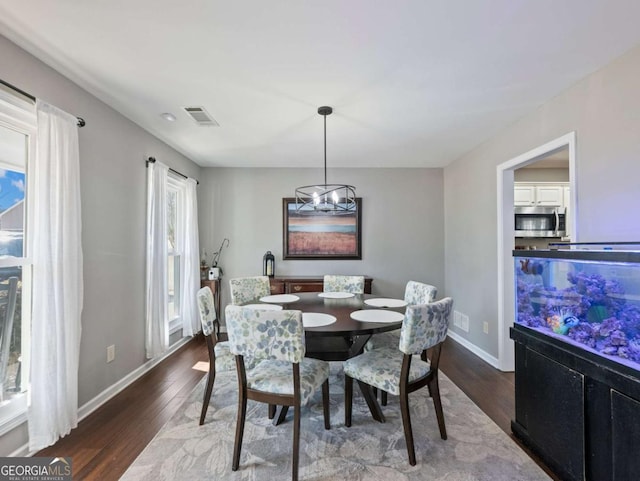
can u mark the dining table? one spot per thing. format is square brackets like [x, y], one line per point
[357, 318]
[338, 325]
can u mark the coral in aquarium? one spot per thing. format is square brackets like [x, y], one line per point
[562, 321]
[592, 311]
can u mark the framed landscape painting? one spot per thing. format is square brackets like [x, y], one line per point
[320, 235]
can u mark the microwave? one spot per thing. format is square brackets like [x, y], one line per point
[540, 221]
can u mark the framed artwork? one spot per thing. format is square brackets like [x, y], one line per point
[320, 235]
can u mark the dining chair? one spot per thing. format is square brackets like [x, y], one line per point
[414, 293]
[248, 289]
[220, 357]
[402, 371]
[352, 284]
[283, 376]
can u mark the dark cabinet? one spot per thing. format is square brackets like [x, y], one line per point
[294, 284]
[578, 411]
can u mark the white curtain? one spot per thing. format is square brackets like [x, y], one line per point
[55, 244]
[190, 282]
[157, 330]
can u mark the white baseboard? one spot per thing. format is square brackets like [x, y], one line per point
[111, 391]
[114, 389]
[475, 349]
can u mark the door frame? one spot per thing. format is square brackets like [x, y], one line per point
[506, 234]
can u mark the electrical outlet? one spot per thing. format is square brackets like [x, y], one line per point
[485, 327]
[111, 352]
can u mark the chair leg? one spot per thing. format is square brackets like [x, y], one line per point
[435, 394]
[242, 414]
[348, 399]
[372, 402]
[325, 404]
[296, 442]
[281, 411]
[406, 424]
[383, 398]
[211, 377]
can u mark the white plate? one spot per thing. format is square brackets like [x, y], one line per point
[266, 307]
[377, 315]
[280, 298]
[317, 319]
[385, 302]
[336, 295]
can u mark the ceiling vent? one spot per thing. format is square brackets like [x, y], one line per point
[201, 116]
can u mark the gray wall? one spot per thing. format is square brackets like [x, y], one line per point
[603, 109]
[402, 223]
[113, 189]
[541, 175]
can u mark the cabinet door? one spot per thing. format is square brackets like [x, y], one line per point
[549, 195]
[524, 195]
[625, 436]
[277, 287]
[293, 287]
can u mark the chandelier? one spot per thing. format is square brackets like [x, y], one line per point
[327, 198]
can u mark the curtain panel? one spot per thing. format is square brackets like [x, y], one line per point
[190, 282]
[157, 326]
[56, 246]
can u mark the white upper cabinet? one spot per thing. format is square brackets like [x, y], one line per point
[540, 194]
[549, 195]
[524, 195]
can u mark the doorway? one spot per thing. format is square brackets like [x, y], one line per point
[506, 233]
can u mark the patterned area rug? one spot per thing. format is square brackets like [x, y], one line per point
[476, 448]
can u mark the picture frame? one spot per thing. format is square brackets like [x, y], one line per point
[321, 235]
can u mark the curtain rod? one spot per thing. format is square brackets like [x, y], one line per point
[81, 122]
[151, 160]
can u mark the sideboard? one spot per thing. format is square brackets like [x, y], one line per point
[293, 284]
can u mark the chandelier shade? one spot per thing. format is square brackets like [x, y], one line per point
[326, 198]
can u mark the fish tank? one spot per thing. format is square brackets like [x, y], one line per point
[588, 296]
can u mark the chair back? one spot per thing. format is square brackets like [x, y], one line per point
[352, 284]
[419, 293]
[425, 326]
[265, 334]
[207, 311]
[249, 289]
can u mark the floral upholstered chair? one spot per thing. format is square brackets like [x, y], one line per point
[414, 293]
[283, 375]
[220, 357]
[352, 284]
[419, 293]
[402, 371]
[249, 289]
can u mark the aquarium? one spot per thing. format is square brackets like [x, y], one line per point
[587, 298]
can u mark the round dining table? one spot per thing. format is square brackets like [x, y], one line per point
[346, 337]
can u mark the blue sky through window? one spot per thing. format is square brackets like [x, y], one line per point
[12, 185]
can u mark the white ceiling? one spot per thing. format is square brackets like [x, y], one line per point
[414, 83]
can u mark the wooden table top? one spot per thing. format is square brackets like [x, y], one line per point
[341, 309]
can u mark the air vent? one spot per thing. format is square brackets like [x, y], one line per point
[201, 116]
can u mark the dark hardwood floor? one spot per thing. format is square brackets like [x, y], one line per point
[107, 441]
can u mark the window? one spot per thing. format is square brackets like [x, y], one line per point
[175, 227]
[17, 129]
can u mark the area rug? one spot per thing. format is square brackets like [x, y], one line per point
[476, 448]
